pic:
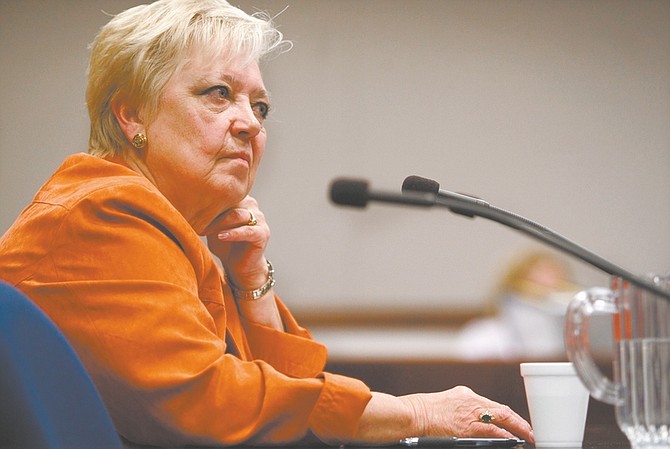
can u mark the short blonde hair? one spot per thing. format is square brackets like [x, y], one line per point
[137, 52]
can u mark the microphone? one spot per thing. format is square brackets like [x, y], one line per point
[355, 192]
[418, 184]
[470, 206]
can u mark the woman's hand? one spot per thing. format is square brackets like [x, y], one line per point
[238, 237]
[240, 244]
[457, 412]
[454, 412]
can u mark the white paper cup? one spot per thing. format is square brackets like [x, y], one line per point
[557, 402]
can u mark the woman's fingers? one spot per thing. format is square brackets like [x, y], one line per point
[499, 420]
[235, 218]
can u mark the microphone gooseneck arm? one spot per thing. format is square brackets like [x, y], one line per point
[424, 192]
[470, 206]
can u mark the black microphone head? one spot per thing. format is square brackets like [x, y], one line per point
[418, 184]
[349, 192]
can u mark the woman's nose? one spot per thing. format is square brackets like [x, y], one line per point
[246, 124]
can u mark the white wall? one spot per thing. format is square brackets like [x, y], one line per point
[559, 111]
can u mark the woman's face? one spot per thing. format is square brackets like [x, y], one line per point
[206, 140]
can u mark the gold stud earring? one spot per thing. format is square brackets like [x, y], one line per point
[139, 140]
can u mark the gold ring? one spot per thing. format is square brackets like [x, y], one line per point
[487, 417]
[252, 220]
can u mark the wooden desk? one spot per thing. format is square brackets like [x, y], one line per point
[499, 381]
[598, 435]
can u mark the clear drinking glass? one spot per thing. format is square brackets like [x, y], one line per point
[640, 390]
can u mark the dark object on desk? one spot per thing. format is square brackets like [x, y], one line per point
[461, 442]
[48, 399]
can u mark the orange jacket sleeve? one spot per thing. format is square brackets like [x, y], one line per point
[143, 302]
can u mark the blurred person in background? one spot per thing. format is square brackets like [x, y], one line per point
[527, 312]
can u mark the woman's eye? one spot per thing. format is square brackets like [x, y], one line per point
[218, 92]
[261, 110]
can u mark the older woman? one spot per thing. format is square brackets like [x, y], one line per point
[185, 353]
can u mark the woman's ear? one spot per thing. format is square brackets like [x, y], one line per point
[128, 117]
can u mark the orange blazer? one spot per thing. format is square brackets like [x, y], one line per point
[143, 302]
